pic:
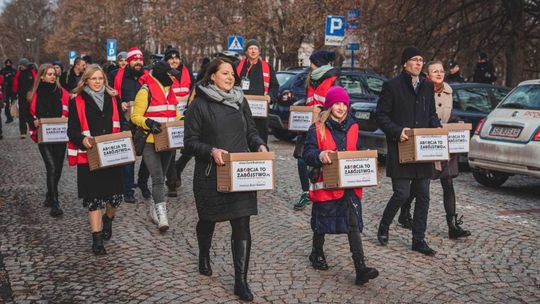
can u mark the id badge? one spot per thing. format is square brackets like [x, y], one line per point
[245, 84]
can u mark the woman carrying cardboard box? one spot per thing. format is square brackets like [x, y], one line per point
[49, 100]
[336, 211]
[219, 121]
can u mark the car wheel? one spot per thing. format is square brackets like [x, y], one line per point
[490, 178]
[284, 135]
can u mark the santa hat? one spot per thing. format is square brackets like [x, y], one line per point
[134, 53]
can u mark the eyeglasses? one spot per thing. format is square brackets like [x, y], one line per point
[419, 60]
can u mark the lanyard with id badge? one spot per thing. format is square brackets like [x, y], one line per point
[245, 80]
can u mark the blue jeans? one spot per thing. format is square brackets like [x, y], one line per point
[129, 179]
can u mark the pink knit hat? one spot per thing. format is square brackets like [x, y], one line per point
[336, 94]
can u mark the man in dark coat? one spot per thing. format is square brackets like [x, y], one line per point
[22, 84]
[251, 73]
[8, 72]
[484, 71]
[406, 102]
[454, 75]
[75, 74]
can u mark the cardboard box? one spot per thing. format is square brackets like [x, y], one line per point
[171, 136]
[459, 137]
[302, 117]
[182, 104]
[111, 150]
[424, 145]
[249, 171]
[351, 169]
[52, 130]
[258, 105]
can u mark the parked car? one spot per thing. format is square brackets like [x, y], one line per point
[507, 141]
[363, 87]
[284, 76]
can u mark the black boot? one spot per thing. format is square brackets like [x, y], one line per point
[405, 218]
[422, 247]
[363, 273]
[317, 259]
[241, 250]
[382, 234]
[454, 229]
[205, 242]
[97, 244]
[107, 227]
[48, 200]
[55, 209]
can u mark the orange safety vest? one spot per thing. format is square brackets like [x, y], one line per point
[65, 106]
[317, 192]
[181, 88]
[75, 155]
[317, 96]
[160, 109]
[265, 72]
[119, 79]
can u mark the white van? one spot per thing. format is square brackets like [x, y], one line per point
[507, 141]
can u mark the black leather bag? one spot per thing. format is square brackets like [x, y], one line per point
[139, 140]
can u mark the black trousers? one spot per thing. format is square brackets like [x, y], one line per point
[240, 229]
[143, 175]
[53, 157]
[449, 197]
[402, 188]
[181, 163]
[24, 114]
[261, 123]
[7, 110]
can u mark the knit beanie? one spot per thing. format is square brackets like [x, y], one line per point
[322, 57]
[24, 62]
[121, 55]
[409, 53]
[170, 53]
[134, 53]
[251, 42]
[334, 95]
[58, 63]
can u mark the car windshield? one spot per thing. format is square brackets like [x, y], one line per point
[473, 100]
[283, 77]
[352, 84]
[523, 97]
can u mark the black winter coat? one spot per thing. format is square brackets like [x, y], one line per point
[401, 106]
[209, 124]
[104, 182]
[130, 84]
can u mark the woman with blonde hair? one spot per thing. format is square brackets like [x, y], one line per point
[94, 112]
[49, 100]
[335, 211]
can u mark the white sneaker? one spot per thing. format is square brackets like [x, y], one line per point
[152, 211]
[161, 211]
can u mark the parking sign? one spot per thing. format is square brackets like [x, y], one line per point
[334, 30]
[111, 49]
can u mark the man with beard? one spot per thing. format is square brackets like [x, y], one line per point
[74, 75]
[127, 82]
[181, 87]
[8, 72]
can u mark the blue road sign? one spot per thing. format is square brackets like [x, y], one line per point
[334, 30]
[111, 49]
[235, 43]
[353, 14]
[352, 26]
[72, 55]
[353, 46]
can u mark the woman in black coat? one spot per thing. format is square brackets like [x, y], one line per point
[219, 121]
[47, 101]
[100, 188]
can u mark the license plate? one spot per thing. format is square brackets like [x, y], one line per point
[505, 132]
[362, 115]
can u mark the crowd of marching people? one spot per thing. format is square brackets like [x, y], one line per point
[218, 120]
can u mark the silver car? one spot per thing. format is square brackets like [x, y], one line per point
[507, 141]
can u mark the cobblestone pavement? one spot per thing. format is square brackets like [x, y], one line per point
[48, 260]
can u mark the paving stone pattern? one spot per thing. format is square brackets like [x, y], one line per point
[47, 260]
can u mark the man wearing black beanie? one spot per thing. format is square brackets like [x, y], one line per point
[406, 102]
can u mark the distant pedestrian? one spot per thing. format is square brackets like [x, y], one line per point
[8, 72]
[454, 75]
[94, 112]
[49, 100]
[75, 74]
[484, 71]
[22, 84]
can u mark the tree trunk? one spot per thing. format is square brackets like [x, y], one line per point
[515, 51]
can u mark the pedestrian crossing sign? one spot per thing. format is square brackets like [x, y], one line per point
[236, 43]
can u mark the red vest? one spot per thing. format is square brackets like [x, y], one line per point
[160, 109]
[65, 106]
[265, 72]
[76, 156]
[181, 88]
[119, 78]
[317, 193]
[317, 96]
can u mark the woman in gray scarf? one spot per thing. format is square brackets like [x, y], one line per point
[94, 112]
[218, 121]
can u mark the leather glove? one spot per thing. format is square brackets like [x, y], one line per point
[154, 126]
